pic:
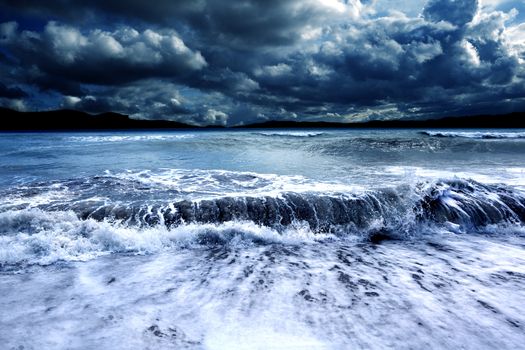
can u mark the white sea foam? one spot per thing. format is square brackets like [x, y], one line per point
[512, 176]
[477, 134]
[43, 196]
[236, 284]
[230, 183]
[291, 133]
[448, 293]
[129, 138]
[33, 236]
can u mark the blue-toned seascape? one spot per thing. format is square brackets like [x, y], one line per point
[308, 239]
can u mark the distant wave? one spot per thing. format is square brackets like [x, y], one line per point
[476, 134]
[83, 230]
[127, 138]
[290, 133]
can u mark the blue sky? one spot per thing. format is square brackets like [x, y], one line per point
[237, 62]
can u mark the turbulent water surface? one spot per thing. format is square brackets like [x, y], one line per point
[263, 239]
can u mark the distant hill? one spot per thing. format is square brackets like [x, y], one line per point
[75, 120]
[11, 120]
[511, 120]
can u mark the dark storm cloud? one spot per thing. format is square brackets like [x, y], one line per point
[11, 92]
[102, 57]
[448, 57]
[457, 12]
[151, 99]
[244, 22]
[392, 59]
[78, 9]
[212, 61]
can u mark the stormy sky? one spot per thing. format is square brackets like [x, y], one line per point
[235, 62]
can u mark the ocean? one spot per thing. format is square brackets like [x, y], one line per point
[263, 239]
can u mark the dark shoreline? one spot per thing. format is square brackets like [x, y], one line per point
[71, 120]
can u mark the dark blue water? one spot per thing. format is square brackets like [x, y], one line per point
[359, 156]
[263, 239]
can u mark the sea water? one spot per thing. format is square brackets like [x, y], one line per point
[262, 239]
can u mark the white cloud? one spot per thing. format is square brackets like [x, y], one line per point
[516, 41]
[274, 70]
[471, 54]
[106, 44]
[64, 41]
[214, 117]
[16, 104]
[424, 51]
[71, 101]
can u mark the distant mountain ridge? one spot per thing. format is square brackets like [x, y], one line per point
[504, 121]
[11, 120]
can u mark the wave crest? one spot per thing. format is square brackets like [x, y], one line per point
[83, 231]
[476, 134]
[469, 204]
[290, 133]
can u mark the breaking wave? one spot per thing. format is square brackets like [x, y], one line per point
[129, 138]
[82, 230]
[290, 133]
[476, 134]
